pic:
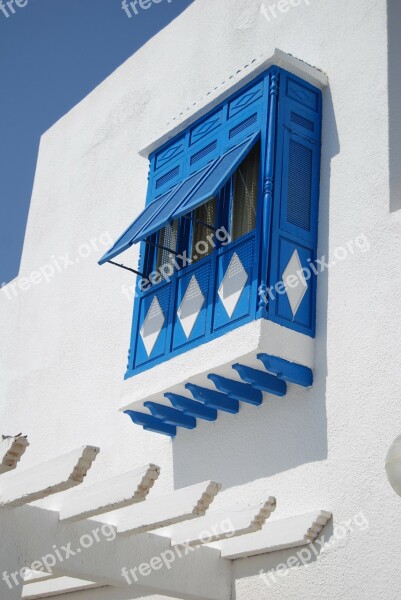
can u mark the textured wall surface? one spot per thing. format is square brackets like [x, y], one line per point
[63, 344]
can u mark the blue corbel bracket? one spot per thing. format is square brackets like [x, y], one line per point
[184, 411]
[213, 399]
[286, 370]
[171, 416]
[191, 407]
[151, 423]
[237, 390]
[261, 380]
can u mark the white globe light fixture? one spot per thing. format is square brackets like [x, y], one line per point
[393, 465]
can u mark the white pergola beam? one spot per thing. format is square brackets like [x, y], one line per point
[56, 587]
[199, 574]
[188, 503]
[277, 535]
[12, 555]
[216, 526]
[112, 494]
[11, 450]
[48, 478]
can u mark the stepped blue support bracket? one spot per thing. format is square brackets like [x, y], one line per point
[214, 399]
[237, 390]
[286, 370]
[151, 423]
[171, 416]
[261, 380]
[184, 411]
[191, 407]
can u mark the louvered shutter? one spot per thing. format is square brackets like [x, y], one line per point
[295, 205]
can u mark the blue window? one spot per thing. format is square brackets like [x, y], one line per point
[229, 230]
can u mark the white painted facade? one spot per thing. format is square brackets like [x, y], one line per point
[64, 343]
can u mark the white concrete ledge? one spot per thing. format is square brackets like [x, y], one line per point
[57, 475]
[217, 356]
[219, 525]
[277, 535]
[112, 494]
[233, 83]
[181, 505]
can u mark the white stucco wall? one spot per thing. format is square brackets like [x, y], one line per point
[64, 343]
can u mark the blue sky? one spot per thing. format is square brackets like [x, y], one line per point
[52, 54]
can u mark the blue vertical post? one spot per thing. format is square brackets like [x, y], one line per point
[268, 194]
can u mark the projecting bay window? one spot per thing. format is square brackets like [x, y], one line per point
[231, 214]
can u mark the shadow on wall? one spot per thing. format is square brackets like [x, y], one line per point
[282, 433]
[394, 103]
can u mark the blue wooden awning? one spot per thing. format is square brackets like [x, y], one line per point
[193, 191]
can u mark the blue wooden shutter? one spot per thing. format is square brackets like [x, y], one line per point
[295, 205]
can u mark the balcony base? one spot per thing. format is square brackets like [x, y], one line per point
[260, 357]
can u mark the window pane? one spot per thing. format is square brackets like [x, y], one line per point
[203, 215]
[168, 238]
[245, 195]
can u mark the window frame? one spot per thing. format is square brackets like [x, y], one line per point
[187, 224]
[269, 97]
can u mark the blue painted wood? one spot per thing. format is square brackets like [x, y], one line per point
[261, 380]
[201, 274]
[286, 112]
[244, 249]
[201, 155]
[127, 238]
[171, 416]
[227, 124]
[162, 293]
[191, 407]
[303, 93]
[184, 198]
[214, 399]
[150, 423]
[244, 99]
[206, 127]
[216, 177]
[295, 198]
[286, 370]
[166, 178]
[237, 390]
[303, 320]
[267, 206]
[140, 367]
[172, 152]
